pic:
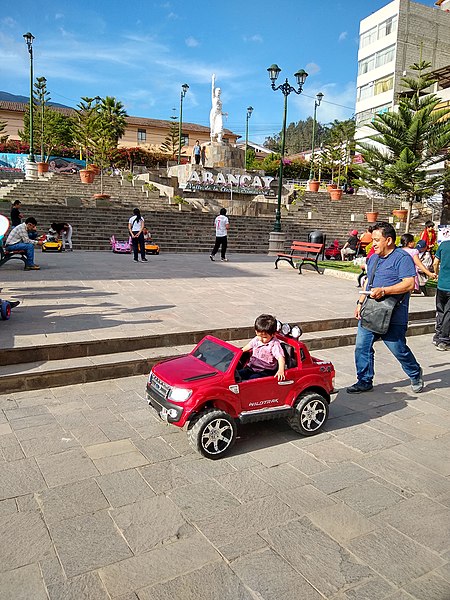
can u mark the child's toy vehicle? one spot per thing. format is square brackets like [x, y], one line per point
[202, 391]
[5, 308]
[333, 251]
[151, 247]
[120, 247]
[52, 246]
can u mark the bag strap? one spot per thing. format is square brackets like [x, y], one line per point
[372, 276]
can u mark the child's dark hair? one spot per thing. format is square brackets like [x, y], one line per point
[17, 202]
[429, 224]
[406, 239]
[31, 220]
[266, 324]
[223, 211]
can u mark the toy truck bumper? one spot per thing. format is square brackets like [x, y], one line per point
[171, 413]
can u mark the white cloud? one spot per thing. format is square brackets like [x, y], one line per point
[253, 38]
[191, 42]
[59, 16]
[343, 36]
[338, 102]
[8, 22]
[312, 68]
[172, 16]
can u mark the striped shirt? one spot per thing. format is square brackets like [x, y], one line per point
[19, 235]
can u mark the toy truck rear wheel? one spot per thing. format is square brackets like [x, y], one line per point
[213, 433]
[311, 414]
[5, 310]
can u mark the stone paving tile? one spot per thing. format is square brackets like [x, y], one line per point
[23, 583]
[203, 500]
[433, 454]
[164, 477]
[306, 499]
[27, 503]
[98, 416]
[88, 436]
[19, 478]
[325, 564]
[88, 542]
[308, 464]
[119, 430]
[52, 571]
[107, 449]
[13, 414]
[341, 522]
[271, 577]
[155, 450]
[120, 462]
[430, 586]
[203, 583]
[422, 519]
[368, 497]
[394, 556]
[366, 439]
[277, 455]
[197, 469]
[177, 439]
[66, 467]
[10, 448]
[7, 507]
[33, 421]
[84, 587]
[376, 589]
[246, 485]
[338, 478]
[159, 565]
[124, 487]
[282, 477]
[41, 431]
[150, 522]
[25, 540]
[71, 500]
[50, 444]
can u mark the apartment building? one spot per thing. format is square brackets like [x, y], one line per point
[390, 40]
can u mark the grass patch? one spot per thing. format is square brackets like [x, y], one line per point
[339, 265]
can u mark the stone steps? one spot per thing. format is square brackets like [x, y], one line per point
[56, 365]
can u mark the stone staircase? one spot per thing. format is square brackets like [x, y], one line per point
[55, 365]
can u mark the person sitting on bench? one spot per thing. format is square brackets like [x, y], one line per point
[18, 240]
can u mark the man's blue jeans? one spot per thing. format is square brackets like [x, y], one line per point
[29, 249]
[395, 340]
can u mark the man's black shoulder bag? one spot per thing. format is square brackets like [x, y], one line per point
[376, 314]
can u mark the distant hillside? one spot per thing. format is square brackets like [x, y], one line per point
[7, 97]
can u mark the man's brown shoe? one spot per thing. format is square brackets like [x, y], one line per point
[32, 268]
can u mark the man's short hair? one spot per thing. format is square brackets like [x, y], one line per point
[223, 211]
[386, 230]
[17, 202]
[429, 224]
[31, 220]
[266, 324]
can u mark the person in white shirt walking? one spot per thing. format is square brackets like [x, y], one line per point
[222, 225]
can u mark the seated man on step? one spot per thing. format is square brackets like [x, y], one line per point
[18, 239]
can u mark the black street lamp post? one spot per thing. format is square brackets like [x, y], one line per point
[249, 114]
[184, 89]
[286, 89]
[29, 40]
[317, 102]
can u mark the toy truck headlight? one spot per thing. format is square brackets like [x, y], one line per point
[179, 394]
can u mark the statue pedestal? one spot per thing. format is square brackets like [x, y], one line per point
[277, 242]
[31, 170]
[222, 154]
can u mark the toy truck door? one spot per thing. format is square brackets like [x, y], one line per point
[264, 393]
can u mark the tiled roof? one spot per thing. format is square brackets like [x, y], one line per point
[139, 121]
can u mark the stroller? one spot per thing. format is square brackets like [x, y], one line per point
[333, 251]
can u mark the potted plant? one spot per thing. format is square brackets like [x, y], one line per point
[331, 186]
[372, 215]
[313, 185]
[336, 194]
[400, 214]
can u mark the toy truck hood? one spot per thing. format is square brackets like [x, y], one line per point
[184, 370]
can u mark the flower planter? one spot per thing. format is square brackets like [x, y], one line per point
[371, 217]
[331, 186]
[42, 167]
[313, 186]
[87, 176]
[335, 194]
[102, 196]
[94, 168]
[400, 214]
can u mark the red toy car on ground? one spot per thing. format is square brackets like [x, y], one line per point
[203, 393]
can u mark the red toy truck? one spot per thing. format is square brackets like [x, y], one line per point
[202, 392]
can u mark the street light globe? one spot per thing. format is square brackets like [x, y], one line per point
[301, 76]
[274, 71]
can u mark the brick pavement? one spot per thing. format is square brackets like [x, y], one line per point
[99, 500]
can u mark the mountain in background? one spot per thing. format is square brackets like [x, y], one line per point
[7, 97]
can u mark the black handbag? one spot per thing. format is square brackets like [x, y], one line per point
[376, 314]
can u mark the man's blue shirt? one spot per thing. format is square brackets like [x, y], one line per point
[390, 270]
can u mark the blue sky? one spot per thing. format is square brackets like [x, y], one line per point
[141, 52]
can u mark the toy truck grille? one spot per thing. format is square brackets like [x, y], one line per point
[159, 387]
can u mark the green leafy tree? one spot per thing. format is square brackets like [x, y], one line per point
[171, 142]
[408, 142]
[298, 137]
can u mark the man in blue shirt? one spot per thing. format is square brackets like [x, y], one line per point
[391, 272]
[442, 267]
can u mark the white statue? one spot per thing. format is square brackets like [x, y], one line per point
[216, 114]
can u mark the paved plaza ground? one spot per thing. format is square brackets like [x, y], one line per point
[100, 500]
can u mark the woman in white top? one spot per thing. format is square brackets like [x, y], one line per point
[136, 228]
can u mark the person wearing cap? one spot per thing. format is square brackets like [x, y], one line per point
[350, 246]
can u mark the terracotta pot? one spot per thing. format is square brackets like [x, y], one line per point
[401, 214]
[94, 168]
[313, 186]
[335, 194]
[42, 167]
[371, 217]
[102, 196]
[331, 186]
[87, 176]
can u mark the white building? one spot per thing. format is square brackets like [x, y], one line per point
[392, 39]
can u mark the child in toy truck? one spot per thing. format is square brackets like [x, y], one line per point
[267, 354]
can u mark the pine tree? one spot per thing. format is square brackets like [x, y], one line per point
[408, 142]
[172, 139]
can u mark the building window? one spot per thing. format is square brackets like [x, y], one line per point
[385, 56]
[367, 116]
[367, 64]
[185, 139]
[368, 37]
[365, 91]
[142, 135]
[383, 85]
[387, 27]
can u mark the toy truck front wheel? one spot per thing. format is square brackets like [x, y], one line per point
[213, 433]
[5, 310]
[310, 414]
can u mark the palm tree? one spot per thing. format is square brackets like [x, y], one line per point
[408, 142]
